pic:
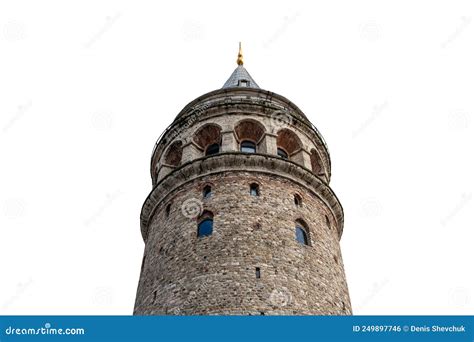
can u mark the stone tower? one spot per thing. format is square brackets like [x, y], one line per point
[241, 219]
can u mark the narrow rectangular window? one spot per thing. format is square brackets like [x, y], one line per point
[257, 272]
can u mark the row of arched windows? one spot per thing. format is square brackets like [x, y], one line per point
[246, 146]
[249, 133]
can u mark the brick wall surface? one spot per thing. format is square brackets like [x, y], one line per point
[190, 275]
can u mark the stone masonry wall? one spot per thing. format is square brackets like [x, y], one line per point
[186, 275]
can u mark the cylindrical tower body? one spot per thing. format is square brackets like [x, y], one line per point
[241, 219]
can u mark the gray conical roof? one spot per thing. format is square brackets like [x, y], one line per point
[240, 78]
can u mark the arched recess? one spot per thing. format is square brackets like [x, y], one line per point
[249, 130]
[174, 154]
[207, 136]
[205, 224]
[316, 163]
[289, 143]
[302, 231]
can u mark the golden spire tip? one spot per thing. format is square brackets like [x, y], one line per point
[240, 57]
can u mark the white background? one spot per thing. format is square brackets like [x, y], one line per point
[87, 87]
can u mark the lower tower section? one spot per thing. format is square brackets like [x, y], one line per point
[239, 234]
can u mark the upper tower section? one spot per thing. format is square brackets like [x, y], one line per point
[241, 118]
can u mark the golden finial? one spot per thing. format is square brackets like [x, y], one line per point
[240, 57]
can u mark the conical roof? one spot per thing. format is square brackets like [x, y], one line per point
[240, 78]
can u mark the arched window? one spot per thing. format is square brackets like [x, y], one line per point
[212, 149]
[281, 153]
[205, 225]
[316, 163]
[302, 233]
[250, 133]
[298, 200]
[248, 147]
[288, 144]
[328, 222]
[208, 138]
[174, 154]
[254, 189]
[207, 191]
